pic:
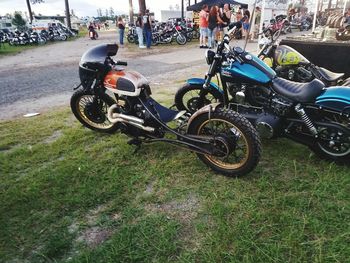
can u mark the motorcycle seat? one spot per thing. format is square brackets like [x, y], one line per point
[329, 75]
[298, 92]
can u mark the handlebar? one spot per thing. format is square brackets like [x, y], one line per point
[121, 63]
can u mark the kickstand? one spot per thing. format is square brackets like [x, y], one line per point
[137, 143]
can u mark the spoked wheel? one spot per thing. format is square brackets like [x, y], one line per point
[131, 38]
[333, 144]
[91, 110]
[236, 142]
[181, 39]
[187, 98]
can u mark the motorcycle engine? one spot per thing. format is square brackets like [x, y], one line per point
[281, 106]
[303, 75]
[285, 72]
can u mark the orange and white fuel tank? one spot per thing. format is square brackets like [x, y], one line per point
[127, 83]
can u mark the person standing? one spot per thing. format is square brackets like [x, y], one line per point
[257, 18]
[139, 30]
[246, 23]
[214, 20]
[203, 26]
[147, 27]
[347, 17]
[226, 17]
[121, 26]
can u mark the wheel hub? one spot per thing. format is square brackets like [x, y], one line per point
[93, 112]
[334, 142]
[223, 145]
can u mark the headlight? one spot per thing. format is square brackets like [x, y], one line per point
[209, 56]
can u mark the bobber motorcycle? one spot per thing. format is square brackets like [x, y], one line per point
[307, 113]
[222, 138]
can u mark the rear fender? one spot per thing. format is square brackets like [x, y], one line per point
[336, 98]
[200, 82]
[204, 110]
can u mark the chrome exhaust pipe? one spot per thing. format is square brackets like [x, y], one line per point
[120, 117]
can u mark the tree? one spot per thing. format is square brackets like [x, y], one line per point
[142, 5]
[106, 12]
[131, 12]
[99, 12]
[67, 14]
[30, 8]
[111, 12]
[18, 21]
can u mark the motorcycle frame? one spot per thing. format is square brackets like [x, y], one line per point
[195, 143]
[305, 139]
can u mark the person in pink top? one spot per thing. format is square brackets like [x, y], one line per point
[203, 26]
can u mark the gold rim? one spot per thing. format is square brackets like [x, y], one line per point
[80, 106]
[232, 161]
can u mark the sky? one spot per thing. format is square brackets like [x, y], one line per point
[84, 7]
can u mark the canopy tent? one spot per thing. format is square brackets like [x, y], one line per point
[197, 7]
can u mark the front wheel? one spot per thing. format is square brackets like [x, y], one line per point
[131, 38]
[236, 141]
[91, 110]
[187, 98]
[181, 39]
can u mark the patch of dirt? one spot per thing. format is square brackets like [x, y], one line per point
[54, 137]
[149, 188]
[10, 149]
[94, 236]
[184, 210]
[94, 214]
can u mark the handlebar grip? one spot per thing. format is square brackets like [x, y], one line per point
[121, 63]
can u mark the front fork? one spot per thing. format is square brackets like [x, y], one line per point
[213, 69]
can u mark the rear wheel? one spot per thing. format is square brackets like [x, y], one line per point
[332, 144]
[91, 110]
[187, 98]
[237, 144]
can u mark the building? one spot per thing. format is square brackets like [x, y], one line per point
[6, 23]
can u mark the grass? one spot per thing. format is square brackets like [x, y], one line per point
[69, 194]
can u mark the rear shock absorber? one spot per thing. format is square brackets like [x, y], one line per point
[301, 112]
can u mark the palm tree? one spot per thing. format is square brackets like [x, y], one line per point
[68, 14]
[30, 8]
[29, 11]
[131, 12]
[142, 5]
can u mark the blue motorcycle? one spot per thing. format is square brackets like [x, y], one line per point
[307, 113]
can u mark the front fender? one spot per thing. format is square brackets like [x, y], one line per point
[200, 82]
[204, 110]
